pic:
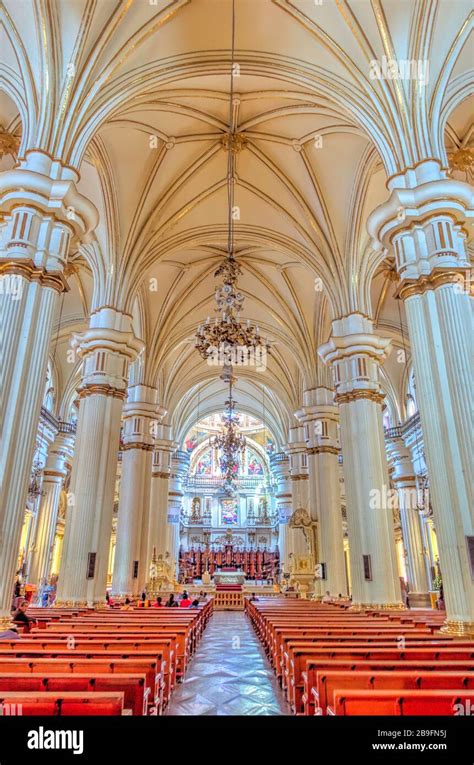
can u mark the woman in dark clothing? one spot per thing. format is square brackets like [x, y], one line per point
[20, 617]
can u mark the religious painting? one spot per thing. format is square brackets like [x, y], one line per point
[191, 442]
[204, 463]
[254, 466]
[229, 512]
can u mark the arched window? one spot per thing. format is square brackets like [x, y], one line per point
[410, 400]
[48, 397]
[386, 418]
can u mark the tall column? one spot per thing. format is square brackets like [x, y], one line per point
[321, 417]
[355, 353]
[41, 211]
[55, 471]
[179, 469]
[107, 347]
[141, 415]
[423, 221]
[404, 481]
[280, 467]
[299, 475]
[161, 468]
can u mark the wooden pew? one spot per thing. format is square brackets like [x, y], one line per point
[328, 682]
[108, 657]
[61, 704]
[297, 654]
[314, 667]
[134, 687]
[421, 702]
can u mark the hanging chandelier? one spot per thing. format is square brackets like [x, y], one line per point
[227, 340]
[231, 442]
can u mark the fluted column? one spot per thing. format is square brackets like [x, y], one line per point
[321, 417]
[179, 469]
[56, 469]
[355, 353]
[424, 222]
[107, 347]
[158, 513]
[404, 481]
[141, 415]
[299, 476]
[280, 466]
[41, 211]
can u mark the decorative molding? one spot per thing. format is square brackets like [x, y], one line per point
[437, 278]
[32, 273]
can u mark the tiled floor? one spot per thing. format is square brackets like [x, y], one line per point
[229, 674]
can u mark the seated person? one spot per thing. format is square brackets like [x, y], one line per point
[158, 603]
[327, 597]
[20, 617]
[202, 597]
[253, 597]
[127, 606]
[185, 602]
[11, 633]
[194, 604]
[171, 602]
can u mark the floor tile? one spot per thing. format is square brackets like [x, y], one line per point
[229, 674]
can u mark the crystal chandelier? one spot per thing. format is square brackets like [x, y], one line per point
[227, 339]
[231, 443]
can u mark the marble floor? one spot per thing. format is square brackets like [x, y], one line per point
[229, 674]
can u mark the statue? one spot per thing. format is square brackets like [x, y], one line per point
[302, 567]
[160, 574]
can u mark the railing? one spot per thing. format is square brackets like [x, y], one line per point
[204, 482]
[413, 423]
[67, 427]
[59, 425]
[278, 457]
[395, 432]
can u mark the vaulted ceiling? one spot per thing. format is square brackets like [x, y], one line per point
[136, 96]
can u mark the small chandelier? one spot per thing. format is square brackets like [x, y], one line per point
[227, 340]
[231, 443]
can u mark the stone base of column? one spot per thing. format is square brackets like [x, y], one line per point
[458, 628]
[5, 622]
[71, 604]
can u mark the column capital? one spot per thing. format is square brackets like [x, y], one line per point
[59, 457]
[424, 221]
[400, 461]
[108, 346]
[164, 447]
[141, 418]
[320, 416]
[355, 353]
[42, 210]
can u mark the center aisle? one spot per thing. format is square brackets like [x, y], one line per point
[229, 673]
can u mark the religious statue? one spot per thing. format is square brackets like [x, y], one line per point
[302, 567]
[160, 573]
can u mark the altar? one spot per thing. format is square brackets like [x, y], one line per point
[250, 563]
[229, 577]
